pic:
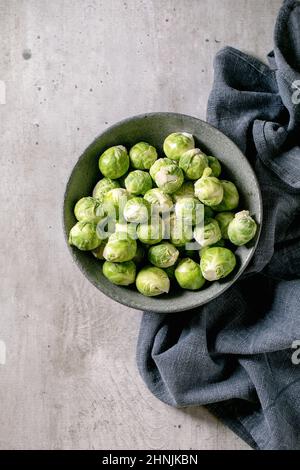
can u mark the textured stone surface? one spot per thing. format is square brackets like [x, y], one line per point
[70, 69]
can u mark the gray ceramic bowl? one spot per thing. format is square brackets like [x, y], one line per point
[153, 128]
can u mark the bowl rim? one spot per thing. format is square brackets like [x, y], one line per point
[168, 309]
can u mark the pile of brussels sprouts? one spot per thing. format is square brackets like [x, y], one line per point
[159, 220]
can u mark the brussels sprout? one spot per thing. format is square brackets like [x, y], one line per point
[163, 255]
[188, 274]
[158, 165]
[242, 228]
[193, 163]
[179, 232]
[130, 229]
[139, 256]
[89, 209]
[189, 210]
[220, 243]
[215, 166]
[103, 186]
[115, 200]
[137, 210]
[186, 190]
[84, 236]
[138, 182]
[224, 219]
[216, 263]
[230, 199]
[121, 274]
[169, 178]
[114, 162]
[98, 252]
[157, 198]
[142, 156]
[151, 233]
[105, 227]
[152, 281]
[120, 247]
[178, 143]
[209, 189]
[208, 233]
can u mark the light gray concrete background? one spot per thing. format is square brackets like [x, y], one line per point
[72, 68]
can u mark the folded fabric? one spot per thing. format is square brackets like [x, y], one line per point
[235, 354]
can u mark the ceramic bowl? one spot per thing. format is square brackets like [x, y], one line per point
[153, 128]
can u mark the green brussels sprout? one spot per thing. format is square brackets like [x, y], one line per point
[106, 226]
[139, 256]
[193, 163]
[169, 178]
[98, 252]
[137, 210]
[115, 200]
[120, 247]
[84, 236]
[188, 274]
[179, 232]
[157, 198]
[163, 255]
[208, 213]
[103, 186]
[114, 162]
[216, 263]
[215, 166]
[158, 165]
[189, 210]
[121, 274]
[242, 228]
[186, 190]
[138, 182]
[151, 233]
[152, 281]
[89, 209]
[130, 229]
[230, 199]
[220, 243]
[224, 219]
[209, 189]
[142, 156]
[208, 233]
[178, 143]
